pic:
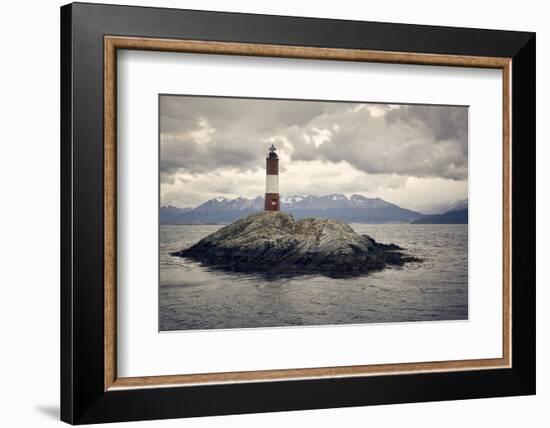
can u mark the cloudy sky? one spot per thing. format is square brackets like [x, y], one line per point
[413, 155]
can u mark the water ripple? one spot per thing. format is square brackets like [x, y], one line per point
[195, 297]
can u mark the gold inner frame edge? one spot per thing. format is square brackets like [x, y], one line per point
[113, 43]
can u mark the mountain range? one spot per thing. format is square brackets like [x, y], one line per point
[356, 208]
[456, 214]
[171, 215]
[353, 209]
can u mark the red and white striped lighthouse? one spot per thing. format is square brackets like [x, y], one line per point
[272, 202]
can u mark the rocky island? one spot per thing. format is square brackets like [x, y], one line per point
[272, 241]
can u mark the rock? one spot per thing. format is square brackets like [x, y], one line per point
[275, 242]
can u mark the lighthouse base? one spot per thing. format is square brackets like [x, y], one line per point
[272, 202]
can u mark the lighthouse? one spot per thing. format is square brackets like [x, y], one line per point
[272, 202]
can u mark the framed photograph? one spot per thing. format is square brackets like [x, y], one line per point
[265, 213]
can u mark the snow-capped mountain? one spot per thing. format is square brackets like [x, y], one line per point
[457, 213]
[229, 205]
[459, 205]
[332, 201]
[356, 208]
[335, 200]
[171, 215]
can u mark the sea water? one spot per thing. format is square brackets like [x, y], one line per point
[192, 296]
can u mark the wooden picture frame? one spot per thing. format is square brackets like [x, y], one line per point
[91, 390]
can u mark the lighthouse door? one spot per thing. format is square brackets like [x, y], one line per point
[274, 204]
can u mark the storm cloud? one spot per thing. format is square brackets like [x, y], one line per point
[371, 148]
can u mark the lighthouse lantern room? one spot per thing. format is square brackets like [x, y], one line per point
[272, 202]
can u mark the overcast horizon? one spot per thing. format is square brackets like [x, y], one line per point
[415, 156]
